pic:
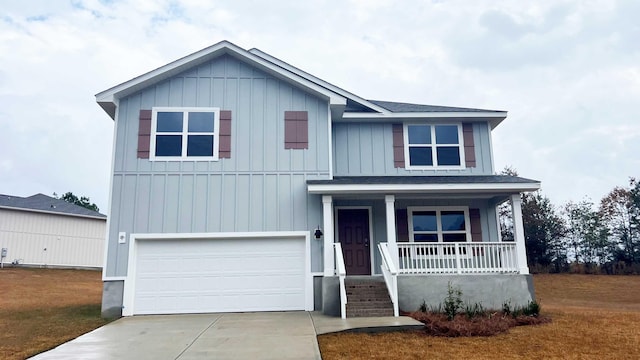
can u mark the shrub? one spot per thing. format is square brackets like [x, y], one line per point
[478, 321]
[506, 307]
[423, 307]
[474, 310]
[453, 302]
[532, 309]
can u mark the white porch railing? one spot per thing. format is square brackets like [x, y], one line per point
[457, 258]
[341, 272]
[390, 274]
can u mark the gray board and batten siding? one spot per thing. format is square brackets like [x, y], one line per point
[366, 149]
[261, 187]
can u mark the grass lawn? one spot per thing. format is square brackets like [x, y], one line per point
[594, 317]
[42, 308]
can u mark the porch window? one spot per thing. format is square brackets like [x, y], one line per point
[184, 133]
[433, 145]
[447, 224]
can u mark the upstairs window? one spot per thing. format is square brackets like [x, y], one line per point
[433, 146]
[184, 133]
[448, 224]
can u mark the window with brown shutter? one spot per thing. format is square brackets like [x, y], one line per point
[296, 130]
[184, 134]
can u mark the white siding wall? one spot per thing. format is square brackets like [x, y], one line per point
[53, 240]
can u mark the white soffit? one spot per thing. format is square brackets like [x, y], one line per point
[494, 118]
[413, 188]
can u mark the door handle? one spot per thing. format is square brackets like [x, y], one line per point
[366, 242]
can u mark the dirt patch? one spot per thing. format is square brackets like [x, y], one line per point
[42, 308]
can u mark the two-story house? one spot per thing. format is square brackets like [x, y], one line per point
[241, 183]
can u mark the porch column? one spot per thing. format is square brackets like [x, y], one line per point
[327, 224]
[518, 233]
[391, 227]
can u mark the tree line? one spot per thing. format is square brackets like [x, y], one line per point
[83, 201]
[583, 237]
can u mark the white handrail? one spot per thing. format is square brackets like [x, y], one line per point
[390, 274]
[341, 272]
[458, 258]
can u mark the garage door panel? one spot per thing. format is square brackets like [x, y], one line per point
[235, 282]
[219, 275]
[237, 302]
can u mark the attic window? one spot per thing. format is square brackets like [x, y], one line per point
[184, 133]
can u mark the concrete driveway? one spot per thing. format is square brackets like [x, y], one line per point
[265, 335]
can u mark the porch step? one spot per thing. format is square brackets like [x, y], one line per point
[367, 297]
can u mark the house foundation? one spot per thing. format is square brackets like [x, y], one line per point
[490, 291]
[112, 292]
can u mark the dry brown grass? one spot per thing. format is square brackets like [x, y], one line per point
[41, 308]
[594, 317]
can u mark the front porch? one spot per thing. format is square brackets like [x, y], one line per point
[409, 253]
[419, 236]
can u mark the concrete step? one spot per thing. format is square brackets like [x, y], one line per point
[370, 304]
[367, 297]
[351, 313]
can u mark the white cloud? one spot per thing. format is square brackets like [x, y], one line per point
[567, 71]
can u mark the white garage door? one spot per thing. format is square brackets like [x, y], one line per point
[219, 275]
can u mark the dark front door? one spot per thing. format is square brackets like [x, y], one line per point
[353, 233]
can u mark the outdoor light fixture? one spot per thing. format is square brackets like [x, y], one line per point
[318, 233]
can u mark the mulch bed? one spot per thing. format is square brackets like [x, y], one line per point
[489, 324]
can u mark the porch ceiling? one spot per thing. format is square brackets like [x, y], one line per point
[464, 185]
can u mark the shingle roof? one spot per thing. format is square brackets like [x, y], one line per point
[41, 202]
[395, 180]
[406, 107]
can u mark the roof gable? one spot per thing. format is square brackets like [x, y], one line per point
[44, 203]
[108, 99]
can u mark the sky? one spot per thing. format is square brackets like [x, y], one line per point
[567, 72]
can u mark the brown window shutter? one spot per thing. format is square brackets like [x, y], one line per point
[476, 224]
[398, 146]
[296, 130]
[402, 225]
[144, 134]
[224, 147]
[469, 146]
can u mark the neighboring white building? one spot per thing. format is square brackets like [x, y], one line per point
[42, 231]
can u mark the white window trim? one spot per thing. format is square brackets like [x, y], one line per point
[439, 210]
[407, 160]
[185, 132]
